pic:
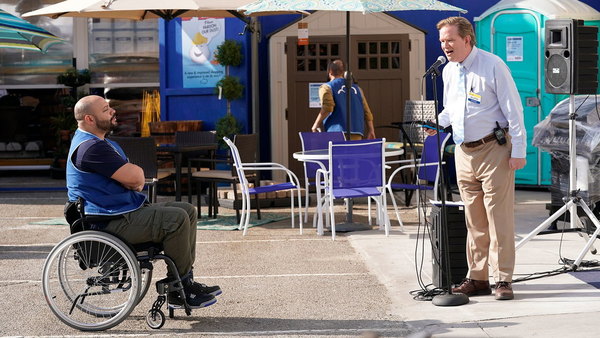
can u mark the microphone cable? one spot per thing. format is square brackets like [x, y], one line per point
[426, 291]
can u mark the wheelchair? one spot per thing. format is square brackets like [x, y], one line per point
[92, 280]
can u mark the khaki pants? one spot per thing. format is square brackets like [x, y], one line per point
[486, 186]
[173, 224]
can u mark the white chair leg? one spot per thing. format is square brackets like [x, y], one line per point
[389, 188]
[369, 209]
[306, 199]
[386, 218]
[300, 220]
[318, 217]
[246, 213]
[331, 214]
[292, 207]
[327, 219]
[243, 214]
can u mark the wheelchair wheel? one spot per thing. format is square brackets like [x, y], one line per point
[91, 281]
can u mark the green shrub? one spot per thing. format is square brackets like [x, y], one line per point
[227, 126]
[229, 53]
[232, 88]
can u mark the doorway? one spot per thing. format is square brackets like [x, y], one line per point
[380, 65]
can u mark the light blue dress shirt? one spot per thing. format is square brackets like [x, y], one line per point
[491, 96]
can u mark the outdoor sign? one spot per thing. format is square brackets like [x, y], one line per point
[514, 48]
[313, 95]
[199, 40]
[302, 33]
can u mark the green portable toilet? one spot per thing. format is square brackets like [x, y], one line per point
[514, 30]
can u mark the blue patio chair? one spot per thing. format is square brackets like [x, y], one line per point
[315, 141]
[428, 171]
[292, 184]
[356, 169]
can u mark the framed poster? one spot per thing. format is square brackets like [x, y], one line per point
[199, 40]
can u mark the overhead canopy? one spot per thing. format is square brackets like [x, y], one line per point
[142, 9]
[365, 6]
[553, 9]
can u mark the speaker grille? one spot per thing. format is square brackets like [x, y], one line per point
[557, 70]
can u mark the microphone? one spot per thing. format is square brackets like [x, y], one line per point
[434, 67]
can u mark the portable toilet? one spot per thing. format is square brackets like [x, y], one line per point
[514, 30]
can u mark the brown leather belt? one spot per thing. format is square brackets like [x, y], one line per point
[486, 139]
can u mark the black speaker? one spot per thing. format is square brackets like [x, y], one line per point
[457, 245]
[571, 51]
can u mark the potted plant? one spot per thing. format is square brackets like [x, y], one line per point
[229, 54]
[74, 78]
[64, 122]
[227, 126]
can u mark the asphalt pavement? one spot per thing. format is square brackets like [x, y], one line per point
[279, 283]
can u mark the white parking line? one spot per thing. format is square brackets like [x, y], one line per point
[292, 275]
[265, 240]
[252, 333]
[197, 242]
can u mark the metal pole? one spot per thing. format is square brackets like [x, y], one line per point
[348, 76]
[572, 160]
[255, 37]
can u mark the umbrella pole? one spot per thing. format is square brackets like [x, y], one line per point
[348, 77]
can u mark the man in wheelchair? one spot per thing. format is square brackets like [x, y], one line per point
[98, 172]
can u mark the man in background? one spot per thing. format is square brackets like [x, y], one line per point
[333, 114]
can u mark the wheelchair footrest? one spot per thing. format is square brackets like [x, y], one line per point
[167, 285]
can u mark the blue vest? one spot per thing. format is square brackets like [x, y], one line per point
[102, 195]
[336, 121]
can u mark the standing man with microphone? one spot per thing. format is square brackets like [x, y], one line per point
[482, 104]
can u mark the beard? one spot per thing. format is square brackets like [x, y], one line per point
[107, 126]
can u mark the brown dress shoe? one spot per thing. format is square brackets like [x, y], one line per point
[504, 291]
[471, 287]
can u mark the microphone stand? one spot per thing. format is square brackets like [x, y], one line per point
[447, 299]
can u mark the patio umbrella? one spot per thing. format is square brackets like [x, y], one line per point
[145, 9]
[18, 33]
[364, 6]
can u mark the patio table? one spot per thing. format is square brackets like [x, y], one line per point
[177, 151]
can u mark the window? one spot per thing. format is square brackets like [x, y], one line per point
[316, 56]
[123, 51]
[379, 55]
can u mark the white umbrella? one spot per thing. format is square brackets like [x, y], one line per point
[143, 9]
[365, 6]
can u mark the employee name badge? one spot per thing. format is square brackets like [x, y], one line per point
[475, 98]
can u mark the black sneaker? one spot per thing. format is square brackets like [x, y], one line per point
[199, 288]
[194, 300]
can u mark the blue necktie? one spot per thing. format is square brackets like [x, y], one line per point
[459, 126]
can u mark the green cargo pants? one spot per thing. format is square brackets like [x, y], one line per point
[173, 224]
